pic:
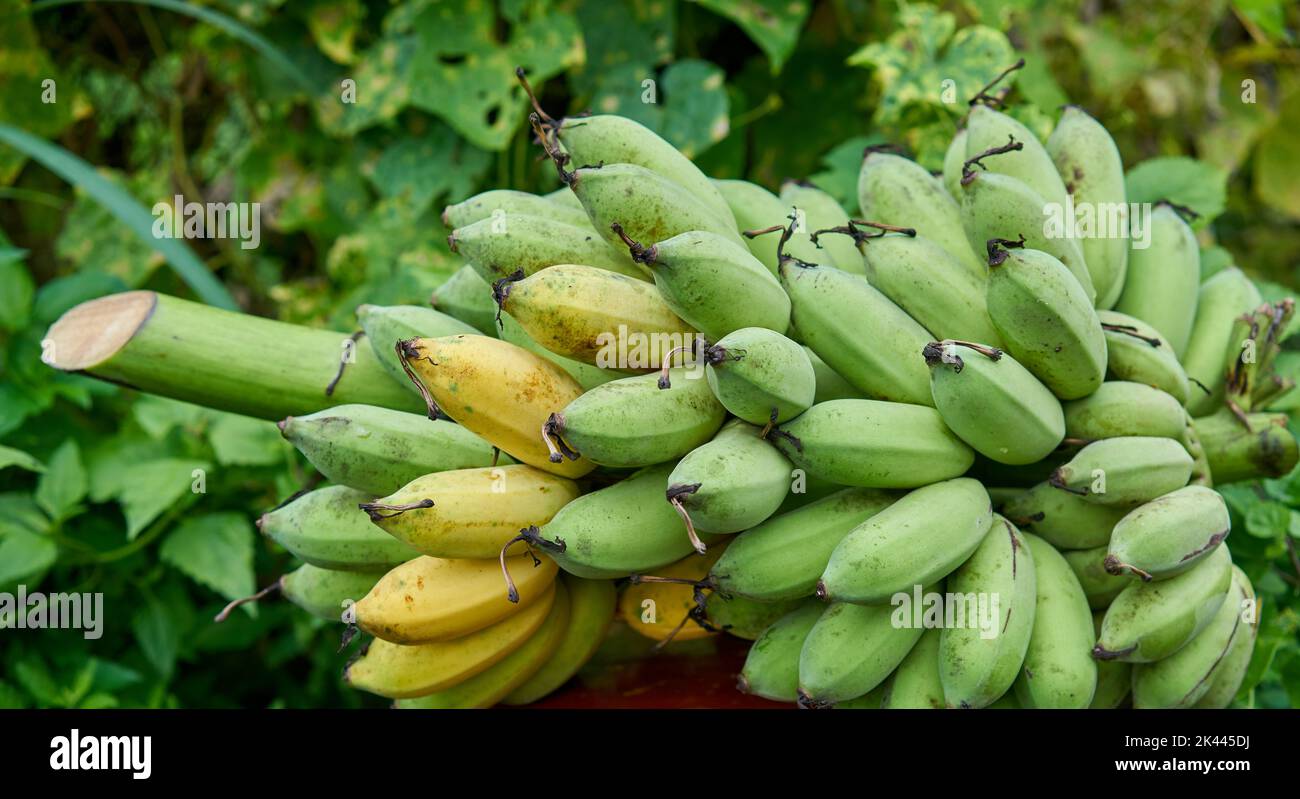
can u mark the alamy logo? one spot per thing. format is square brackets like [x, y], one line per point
[75, 752]
[38, 611]
[933, 610]
[193, 220]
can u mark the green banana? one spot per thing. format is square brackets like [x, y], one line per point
[918, 539]
[1046, 320]
[565, 199]
[743, 617]
[935, 290]
[1065, 520]
[1151, 621]
[993, 403]
[755, 208]
[869, 701]
[497, 202]
[1183, 678]
[1227, 676]
[713, 284]
[632, 422]
[377, 450]
[1135, 351]
[820, 212]
[731, 483]
[1089, 164]
[996, 206]
[1234, 451]
[1114, 677]
[760, 375]
[771, 668]
[974, 667]
[325, 528]
[1169, 534]
[954, 163]
[1123, 408]
[1059, 671]
[591, 609]
[467, 297]
[898, 191]
[850, 651]
[1164, 278]
[616, 531]
[588, 376]
[1220, 300]
[502, 245]
[384, 326]
[805, 490]
[1125, 470]
[829, 384]
[1089, 567]
[915, 684]
[873, 444]
[785, 556]
[324, 593]
[988, 128]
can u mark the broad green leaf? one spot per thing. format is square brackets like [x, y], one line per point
[63, 483]
[1184, 181]
[378, 88]
[1268, 520]
[25, 97]
[420, 169]
[839, 176]
[147, 489]
[244, 441]
[10, 697]
[157, 635]
[634, 37]
[31, 672]
[696, 106]
[16, 457]
[1277, 161]
[25, 557]
[215, 551]
[158, 416]
[111, 676]
[16, 289]
[19, 511]
[774, 25]
[334, 25]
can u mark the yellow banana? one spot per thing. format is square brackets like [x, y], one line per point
[397, 671]
[591, 609]
[502, 392]
[437, 599]
[471, 513]
[663, 611]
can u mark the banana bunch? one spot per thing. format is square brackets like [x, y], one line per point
[929, 452]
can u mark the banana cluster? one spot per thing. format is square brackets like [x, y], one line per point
[701, 407]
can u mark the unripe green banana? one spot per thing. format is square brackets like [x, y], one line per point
[618, 530]
[1164, 278]
[858, 332]
[898, 191]
[1265, 448]
[869, 701]
[1135, 351]
[993, 403]
[1125, 470]
[1065, 520]
[1007, 701]
[1123, 408]
[713, 284]
[987, 128]
[502, 245]
[1183, 678]
[377, 450]
[633, 422]
[580, 312]
[928, 283]
[760, 375]
[1151, 621]
[771, 668]
[830, 386]
[326, 528]
[386, 325]
[954, 160]
[467, 297]
[820, 212]
[873, 444]
[850, 651]
[915, 684]
[996, 206]
[591, 609]
[785, 556]
[324, 593]
[1046, 320]
[565, 199]
[755, 208]
[1089, 567]
[731, 483]
[1169, 534]
[743, 617]
[1220, 300]
[887, 554]
[486, 205]
[1059, 670]
[1089, 164]
[977, 668]
[1227, 676]
[588, 376]
[1114, 677]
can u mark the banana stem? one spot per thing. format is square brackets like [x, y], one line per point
[273, 588]
[406, 350]
[373, 509]
[664, 381]
[675, 494]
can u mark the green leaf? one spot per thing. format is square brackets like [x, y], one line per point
[633, 38]
[31, 672]
[16, 457]
[334, 25]
[1181, 180]
[774, 25]
[158, 416]
[1268, 16]
[18, 288]
[25, 557]
[157, 635]
[839, 176]
[244, 441]
[10, 697]
[147, 489]
[1268, 520]
[94, 238]
[62, 293]
[1277, 161]
[63, 484]
[420, 169]
[382, 79]
[696, 106]
[24, 68]
[215, 551]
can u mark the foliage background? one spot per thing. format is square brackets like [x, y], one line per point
[240, 100]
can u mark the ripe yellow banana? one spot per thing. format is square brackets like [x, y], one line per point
[662, 611]
[591, 609]
[498, 390]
